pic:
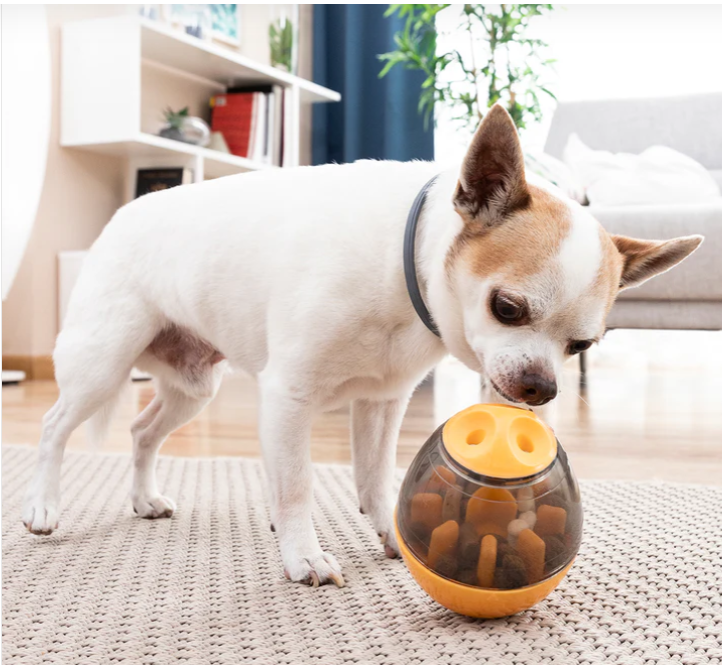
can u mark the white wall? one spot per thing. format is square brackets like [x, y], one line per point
[619, 51]
[622, 51]
[25, 128]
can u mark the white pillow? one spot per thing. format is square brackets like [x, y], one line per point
[556, 172]
[659, 175]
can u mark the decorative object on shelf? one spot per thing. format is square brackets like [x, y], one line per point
[502, 64]
[207, 22]
[153, 12]
[185, 128]
[218, 143]
[226, 24]
[283, 39]
[194, 20]
[156, 180]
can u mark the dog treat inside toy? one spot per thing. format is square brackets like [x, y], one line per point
[443, 543]
[487, 561]
[525, 499]
[426, 510]
[554, 552]
[531, 549]
[441, 479]
[514, 528]
[550, 521]
[469, 543]
[451, 509]
[512, 573]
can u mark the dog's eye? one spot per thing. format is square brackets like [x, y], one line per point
[578, 346]
[506, 310]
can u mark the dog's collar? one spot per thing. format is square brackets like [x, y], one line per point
[412, 282]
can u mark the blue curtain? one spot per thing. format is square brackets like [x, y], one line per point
[377, 118]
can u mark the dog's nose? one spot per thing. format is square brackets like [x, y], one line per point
[537, 389]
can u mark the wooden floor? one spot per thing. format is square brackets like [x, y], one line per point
[652, 410]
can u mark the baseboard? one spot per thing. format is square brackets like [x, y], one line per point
[35, 367]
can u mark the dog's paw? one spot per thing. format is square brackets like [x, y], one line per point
[40, 516]
[391, 546]
[383, 521]
[314, 570]
[152, 507]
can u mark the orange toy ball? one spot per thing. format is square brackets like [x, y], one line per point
[489, 517]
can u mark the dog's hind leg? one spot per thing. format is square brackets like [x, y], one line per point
[170, 409]
[91, 365]
[40, 509]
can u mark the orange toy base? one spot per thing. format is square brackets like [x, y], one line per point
[473, 601]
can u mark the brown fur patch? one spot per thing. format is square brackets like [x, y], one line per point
[520, 246]
[184, 351]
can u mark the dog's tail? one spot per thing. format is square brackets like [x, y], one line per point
[98, 425]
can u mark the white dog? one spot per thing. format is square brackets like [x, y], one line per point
[296, 276]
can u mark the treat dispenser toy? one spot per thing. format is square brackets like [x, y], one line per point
[489, 517]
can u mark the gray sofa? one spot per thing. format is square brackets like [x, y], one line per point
[690, 296]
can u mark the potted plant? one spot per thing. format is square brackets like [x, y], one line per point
[500, 61]
[180, 126]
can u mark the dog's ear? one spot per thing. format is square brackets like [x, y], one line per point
[491, 183]
[643, 259]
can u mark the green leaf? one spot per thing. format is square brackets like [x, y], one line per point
[504, 56]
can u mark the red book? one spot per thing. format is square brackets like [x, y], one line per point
[233, 117]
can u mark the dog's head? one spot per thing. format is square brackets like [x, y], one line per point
[534, 274]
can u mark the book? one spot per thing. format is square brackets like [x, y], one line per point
[155, 180]
[260, 127]
[251, 119]
[287, 159]
[240, 117]
[276, 129]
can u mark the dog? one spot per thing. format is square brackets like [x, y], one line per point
[296, 277]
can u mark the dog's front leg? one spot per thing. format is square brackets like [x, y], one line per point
[285, 432]
[374, 433]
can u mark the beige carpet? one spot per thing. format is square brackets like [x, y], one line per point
[207, 586]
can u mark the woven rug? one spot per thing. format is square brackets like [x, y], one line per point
[207, 585]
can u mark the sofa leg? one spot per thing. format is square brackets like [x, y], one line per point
[583, 370]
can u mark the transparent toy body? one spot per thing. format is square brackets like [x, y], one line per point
[485, 532]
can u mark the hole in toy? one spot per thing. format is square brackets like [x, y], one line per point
[525, 443]
[476, 437]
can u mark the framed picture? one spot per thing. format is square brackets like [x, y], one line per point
[226, 22]
[218, 22]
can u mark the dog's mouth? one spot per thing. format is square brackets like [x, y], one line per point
[502, 393]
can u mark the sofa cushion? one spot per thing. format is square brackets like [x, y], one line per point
[717, 176]
[700, 276]
[657, 176]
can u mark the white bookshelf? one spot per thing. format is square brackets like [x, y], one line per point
[116, 75]
[110, 72]
[149, 149]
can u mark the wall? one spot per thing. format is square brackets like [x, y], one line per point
[80, 194]
[82, 191]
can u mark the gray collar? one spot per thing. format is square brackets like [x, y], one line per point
[412, 282]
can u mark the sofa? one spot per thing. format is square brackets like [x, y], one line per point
[690, 296]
